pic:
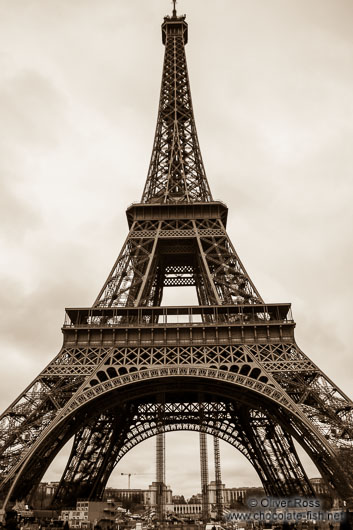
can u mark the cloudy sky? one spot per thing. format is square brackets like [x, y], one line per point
[272, 85]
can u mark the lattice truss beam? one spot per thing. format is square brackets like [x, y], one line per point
[204, 469]
[184, 252]
[280, 372]
[176, 171]
[218, 478]
[276, 461]
[177, 238]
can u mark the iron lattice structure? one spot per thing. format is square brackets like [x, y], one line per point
[218, 478]
[204, 476]
[130, 368]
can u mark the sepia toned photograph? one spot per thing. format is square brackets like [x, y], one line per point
[176, 258]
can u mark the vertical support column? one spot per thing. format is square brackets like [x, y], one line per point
[160, 462]
[207, 276]
[218, 479]
[204, 476]
[160, 476]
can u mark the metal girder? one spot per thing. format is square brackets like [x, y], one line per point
[176, 172]
[203, 255]
[126, 350]
[93, 455]
[204, 475]
[255, 367]
[111, 435]
[218, 479]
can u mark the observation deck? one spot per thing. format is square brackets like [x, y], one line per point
[226, 324]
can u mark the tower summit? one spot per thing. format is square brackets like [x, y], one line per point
[130, 368]
[174, 9]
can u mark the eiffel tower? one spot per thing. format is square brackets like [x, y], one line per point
[130, 368]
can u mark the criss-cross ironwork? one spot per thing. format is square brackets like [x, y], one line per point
[176, 172]
[131, 368]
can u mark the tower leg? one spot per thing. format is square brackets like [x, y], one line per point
[93, 456]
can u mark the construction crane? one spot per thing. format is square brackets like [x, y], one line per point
[129, 475]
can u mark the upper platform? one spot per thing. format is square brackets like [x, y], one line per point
[174, 25]
[209, 315]
[184, 210]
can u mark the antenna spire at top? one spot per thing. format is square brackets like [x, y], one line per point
[174, 8]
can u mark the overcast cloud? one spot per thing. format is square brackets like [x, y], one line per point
[272, 86]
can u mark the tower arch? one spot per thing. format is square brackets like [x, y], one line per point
[126, 348]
